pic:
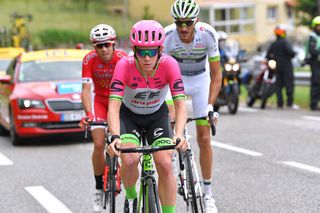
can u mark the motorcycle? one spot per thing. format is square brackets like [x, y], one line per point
[230, 89]
[264, 85]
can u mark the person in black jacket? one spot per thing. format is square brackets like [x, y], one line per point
[313, 59]
[281, 51]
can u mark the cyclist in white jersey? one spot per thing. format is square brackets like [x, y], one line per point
[194, 44]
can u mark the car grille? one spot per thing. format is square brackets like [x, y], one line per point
[64, 105]
[58, 125]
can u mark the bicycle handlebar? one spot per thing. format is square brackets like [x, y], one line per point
[93, 123]
[211, 117]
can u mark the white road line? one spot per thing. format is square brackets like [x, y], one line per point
[236, 149]
[4, 161]
[312, 118]
[302, 166]
[47, 200]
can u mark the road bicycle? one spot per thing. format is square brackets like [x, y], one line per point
[148, 186]
[111, 176]
[189, 184]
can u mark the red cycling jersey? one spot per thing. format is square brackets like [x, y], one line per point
[96, 71]
[99, 74]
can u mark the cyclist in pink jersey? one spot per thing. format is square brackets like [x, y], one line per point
[97, 71]
[137, 93]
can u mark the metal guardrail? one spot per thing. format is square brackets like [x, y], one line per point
[302, 78]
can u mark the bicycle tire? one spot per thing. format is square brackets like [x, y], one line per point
[195, 201]
[151, 202]
[110, 192]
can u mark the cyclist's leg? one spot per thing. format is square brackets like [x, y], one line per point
[129, 162]
[159, 132]
[199, 104]
[99, 110]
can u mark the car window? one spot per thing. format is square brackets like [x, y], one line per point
[4, 64]
[50, 70]
[11, 68]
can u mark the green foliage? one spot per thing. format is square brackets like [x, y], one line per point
[309, 8]
[56, 37]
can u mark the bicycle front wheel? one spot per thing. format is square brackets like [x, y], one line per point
[151, 202]
[194, 196]
[110, 190]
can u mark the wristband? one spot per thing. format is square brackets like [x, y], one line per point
[113, 137]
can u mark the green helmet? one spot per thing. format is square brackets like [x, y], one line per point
[315, 22]
[185, 9]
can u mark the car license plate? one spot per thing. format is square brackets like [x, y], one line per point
[72, 116]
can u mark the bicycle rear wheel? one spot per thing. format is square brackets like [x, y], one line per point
[195, 198]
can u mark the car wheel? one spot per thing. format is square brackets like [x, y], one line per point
[3, 131]
[15, 139]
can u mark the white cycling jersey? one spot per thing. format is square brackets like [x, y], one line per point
[193, 62]
[192, 57]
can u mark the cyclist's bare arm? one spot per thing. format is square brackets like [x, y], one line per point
[180, 123]
[216, 80]
[114, 124]
[86, 96]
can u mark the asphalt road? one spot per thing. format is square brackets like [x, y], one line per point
[265, 161]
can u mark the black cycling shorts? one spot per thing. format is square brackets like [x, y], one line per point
[157, 125]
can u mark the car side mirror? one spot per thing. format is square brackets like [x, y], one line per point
[5, 79]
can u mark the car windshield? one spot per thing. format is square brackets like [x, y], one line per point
[4, 64]
[49, 70]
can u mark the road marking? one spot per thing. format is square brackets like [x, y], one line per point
[312, 118]
[247, 109]
[4, 161]
[302, 166]
[47, 200]
[236, 149]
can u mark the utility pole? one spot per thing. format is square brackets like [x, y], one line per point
[318, 5]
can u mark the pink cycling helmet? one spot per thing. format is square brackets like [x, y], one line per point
[147, 33]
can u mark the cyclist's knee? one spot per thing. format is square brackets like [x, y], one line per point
[164, 167]
[129, 160]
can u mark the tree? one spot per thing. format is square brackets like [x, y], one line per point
[310, 9]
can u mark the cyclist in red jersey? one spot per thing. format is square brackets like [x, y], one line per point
[97, 71]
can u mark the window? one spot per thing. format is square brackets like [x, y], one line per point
[204, 15]
[234, 19]
[272, 13]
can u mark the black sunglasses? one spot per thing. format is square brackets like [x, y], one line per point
[187, 23]
[101, 45]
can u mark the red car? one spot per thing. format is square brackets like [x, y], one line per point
[40, 94]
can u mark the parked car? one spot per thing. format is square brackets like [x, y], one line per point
[6, 56]
[40, 94]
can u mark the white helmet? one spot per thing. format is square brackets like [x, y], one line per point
[222, 35]
[185, 9]
[102, 33]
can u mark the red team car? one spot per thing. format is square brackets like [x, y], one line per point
[40, 94]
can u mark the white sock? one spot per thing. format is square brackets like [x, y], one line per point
[206, 183]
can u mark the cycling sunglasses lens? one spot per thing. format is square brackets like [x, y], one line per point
[184, 23]
[149, 52]
[101, 45]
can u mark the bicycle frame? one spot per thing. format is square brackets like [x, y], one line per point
[148, 197]
[111, 176]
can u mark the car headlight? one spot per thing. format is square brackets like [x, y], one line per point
[236, 67]
[29, 104]
[228, 67]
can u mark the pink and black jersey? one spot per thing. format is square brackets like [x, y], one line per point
[96, 71]
[145, 94]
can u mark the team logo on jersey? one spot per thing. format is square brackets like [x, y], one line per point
[157, 132]
[178, 85]
[88, 58]
[100, 66]
[116, 86]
